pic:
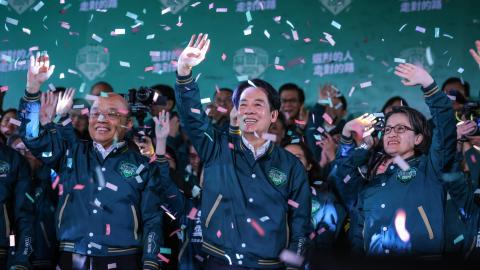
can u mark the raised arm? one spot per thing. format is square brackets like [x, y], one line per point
[197, 125]
[443, 147]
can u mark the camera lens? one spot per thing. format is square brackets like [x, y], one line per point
[143, 94]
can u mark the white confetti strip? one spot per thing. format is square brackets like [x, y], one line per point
[3, 3]
[291, 25]
[437, 32]
[221, 10]
[12, 240]
[195, 4]
[428, 55]
[205, 100]
[366, 84]
[266, 34]
[460, 70]
[249, 16]
[97, 38]
[151, 36]
[248, 50]
[165, 11]
[139, 169]
[269, 137]
[95, 245]
[420, 29]
[119, 31]
[12, 21]
[336, 25]
[448, 36]
[399, 60]
[401, 163]
[124, 64]
[38, 6]
[295, 35]
[401, 28]
[15, 122]
[111, 186]
[26, 31]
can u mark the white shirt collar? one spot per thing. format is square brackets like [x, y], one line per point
[111, 148]
[260, 151]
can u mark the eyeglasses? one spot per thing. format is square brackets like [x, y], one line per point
[112, 115]
[398, 129]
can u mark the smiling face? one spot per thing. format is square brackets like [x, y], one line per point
[290, 103]
[401, 144]
[254, 111]
[108, 120]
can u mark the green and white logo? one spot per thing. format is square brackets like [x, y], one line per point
[277, 177]
[406, 176]
[127, 170]
[4, 168]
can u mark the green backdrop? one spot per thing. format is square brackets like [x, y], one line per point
[288, 43]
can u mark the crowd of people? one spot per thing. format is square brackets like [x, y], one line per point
[158, 179]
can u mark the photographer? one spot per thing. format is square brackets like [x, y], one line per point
[399, 182]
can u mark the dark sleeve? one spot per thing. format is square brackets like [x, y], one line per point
[357, 220]
[345, 175]
[24, 212]
[29, 112]
[299, 218]
[472, 158]
[152, 213]
[197, 125]
[443, 148]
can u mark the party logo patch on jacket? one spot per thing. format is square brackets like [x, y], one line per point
[277, 177]
[407, 175]
[126, 169]
[4, 168]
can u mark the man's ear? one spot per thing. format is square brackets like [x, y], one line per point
[418, 139]
[274, 115]
[129, 123]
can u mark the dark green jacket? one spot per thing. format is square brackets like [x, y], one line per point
[246, 217]
[419, 191]
[16, 206]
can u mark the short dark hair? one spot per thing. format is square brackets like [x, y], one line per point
[392, 100]
[166, 91]
[465, 84]
[343, 100]
[108, 87]
[292, 86]
[272, 94]
[10, 110]
[314, 173]
[226, 89]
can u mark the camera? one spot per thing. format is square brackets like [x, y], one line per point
[470, 111]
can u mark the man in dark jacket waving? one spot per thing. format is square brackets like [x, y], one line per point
[256, 199]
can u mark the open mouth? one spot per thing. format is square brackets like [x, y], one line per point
[393, 143]
[102, 129]
[249, 121]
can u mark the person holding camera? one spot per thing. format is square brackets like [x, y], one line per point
[109, 210]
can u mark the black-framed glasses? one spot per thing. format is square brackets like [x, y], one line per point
[399, 129]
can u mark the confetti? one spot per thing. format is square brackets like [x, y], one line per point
[400, 221]
[95, 245]
[97, 38]
[347, 179]
[85, 111]
[266, 34]
[251, 84]
[38, 6]
[448, 36]
[290, 24]
[26, 31]
[366, 84]
[300, 122]
[166, 10]
[140, 169]
[221, 10]
[119, 31]
[426, 221]
[219, 234]
[265, 218]
[193, 110]
[420, 29]
[138, 179]
[79, 187]
[210, 6]
[293, 204]
[11, 21]
[111, 186]
[193, 213]
[330, 40]
[231, 146]
[15, 122]
[196, 191]
[460, 70]
[164, 250]
[29, 197]
[205, 100]
[224, 57]
[249, 16]
[401, 163]
[291, 258]
[279, 67]
[437, 32]
[295, 35]
[399, 60]
[257, 228]
[124, 64]
[12, 240]
[458, 239]
[269, 137]
[401, 28]
[351, 91]
[151, 36]
[111, 265]
[473, 158]
[221, 109]
[428, 55]
[336, 25]
[4, 88]
[327, 118]
[307, 40]
[195, 4]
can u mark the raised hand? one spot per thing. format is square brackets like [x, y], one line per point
[48, 103]
[145, 145]
[476, 54]
[162, 129]
[174, 126]
[466, 128]
[413, 75]
[38, 72]
[65, 101]
[234, 117]
[193, 54]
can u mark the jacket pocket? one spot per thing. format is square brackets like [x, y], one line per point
[60, 214]
[135, 222]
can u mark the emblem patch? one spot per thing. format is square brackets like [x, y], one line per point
[406, 176]
[127, 170]
[277, 177]
[4, 168]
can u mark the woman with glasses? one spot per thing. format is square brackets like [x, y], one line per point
[394, 189]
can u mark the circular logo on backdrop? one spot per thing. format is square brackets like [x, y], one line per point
[335, 6]
[20, 5]
[92, 61]
[174, 5]
[251, 62]
[419, 56]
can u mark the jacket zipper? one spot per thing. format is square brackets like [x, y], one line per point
[135, 222]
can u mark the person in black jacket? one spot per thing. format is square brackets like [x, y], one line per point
[16, 210]
[255, 200]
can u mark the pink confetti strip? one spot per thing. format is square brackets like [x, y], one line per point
[163, 258]
[193, 110]
[327, 118]
[219, 234]
[346, 179]
[107, 229]
[193, 213]
[67, 121]
[257, 228]
[221, 109]
[55, 183]
[111, 186]
[85, 111]
[231, 146]
[224, 57]
[221, 10]
[79, 187]
[401, 163]
[279, 67]
[15, 122]
[291, 258]
[293, 203]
